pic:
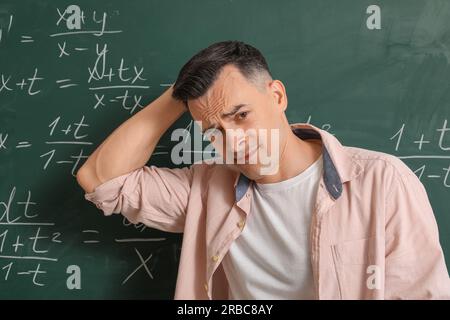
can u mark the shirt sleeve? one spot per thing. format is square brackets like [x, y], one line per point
[414, 262]
[156, 197]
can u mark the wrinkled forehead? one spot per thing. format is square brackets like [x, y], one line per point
[229, 89]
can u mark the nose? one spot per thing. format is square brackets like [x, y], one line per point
[233, 142]
[234, 139]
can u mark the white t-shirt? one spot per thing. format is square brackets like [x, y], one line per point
[271, 257]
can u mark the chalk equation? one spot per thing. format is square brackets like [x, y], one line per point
[29, 251]
[114, 82]
[425, 151]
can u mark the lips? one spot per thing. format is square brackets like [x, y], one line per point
[247, 155]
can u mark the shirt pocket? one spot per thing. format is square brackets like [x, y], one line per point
[354, 262]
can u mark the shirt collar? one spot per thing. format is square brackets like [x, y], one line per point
[338, 165]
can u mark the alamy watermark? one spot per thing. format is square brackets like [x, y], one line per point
[231, 146]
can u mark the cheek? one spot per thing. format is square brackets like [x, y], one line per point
[265, 120]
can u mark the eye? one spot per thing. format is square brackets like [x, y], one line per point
[242, 115]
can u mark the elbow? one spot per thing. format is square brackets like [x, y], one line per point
[86, 179]
[81, 178]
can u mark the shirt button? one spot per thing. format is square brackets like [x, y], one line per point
[247, 195]
[206, 287]
[241, 224]
[215, 258]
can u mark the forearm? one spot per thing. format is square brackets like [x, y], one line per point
[130, 145]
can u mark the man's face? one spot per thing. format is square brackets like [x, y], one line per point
[239, 109]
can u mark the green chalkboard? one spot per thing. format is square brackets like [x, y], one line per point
[375, 76]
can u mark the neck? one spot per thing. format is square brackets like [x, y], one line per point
[296, 156]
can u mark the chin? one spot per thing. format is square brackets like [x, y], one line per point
[251, 171]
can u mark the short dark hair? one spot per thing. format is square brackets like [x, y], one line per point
[200, 72]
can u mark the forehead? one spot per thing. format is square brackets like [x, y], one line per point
[230, 88]
[230, 77]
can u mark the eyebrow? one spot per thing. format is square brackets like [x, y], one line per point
[234, 111]
[236, 108]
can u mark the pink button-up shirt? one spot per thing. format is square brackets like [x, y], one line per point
[373, 234]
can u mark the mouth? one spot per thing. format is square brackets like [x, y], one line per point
[247, 156]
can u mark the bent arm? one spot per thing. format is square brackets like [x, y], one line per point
[130, 145]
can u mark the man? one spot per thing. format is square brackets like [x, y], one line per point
[331, 222]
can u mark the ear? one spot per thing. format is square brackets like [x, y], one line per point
[278, 92]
